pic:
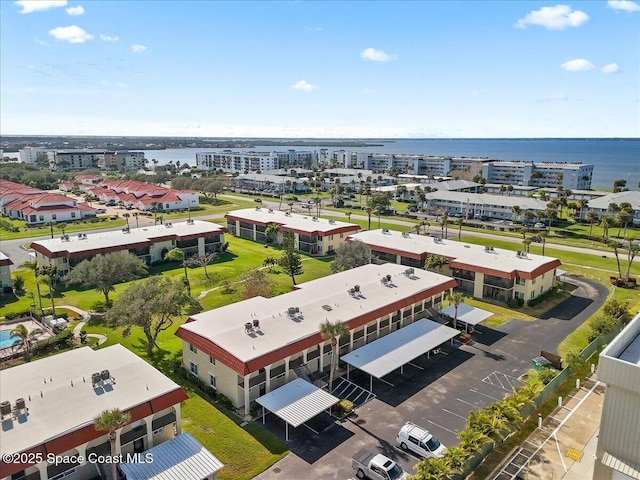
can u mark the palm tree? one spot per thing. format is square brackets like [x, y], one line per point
[348, 213]
[368, 209]
[433, 469]
[111, 421]
[591, 217]
[456, 457]
[154, 208]
[333, 331]
[50, 225]
[271, 232]
[615, 246]
[455, 299]
[459, 222]
[33, 266]
[543, 236]
[136, 214]
[516, 211]
[270, 262]
[178, 255]
[126, 216]
[25, 338]
[88, 198]
[631, 254]
[49, 275]
[605, 223]
[471, 439]
[435, 262]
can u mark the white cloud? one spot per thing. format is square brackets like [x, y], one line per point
[71, 34]
[29, 6]
[367, 91]
[475, 93]
[75, 11]
[577, 65]
[554, 18]
[375, 55]
[624, 5]
[610, 68]
[303, 85]
[107, 38]
[136, 48]
[313, 29]
[559, 97]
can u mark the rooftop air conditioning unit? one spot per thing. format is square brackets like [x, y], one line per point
[385, 230]
[256, 324]
[356, 288]
[332, 221]
[271, 210]
[287, 214]
[248, 327]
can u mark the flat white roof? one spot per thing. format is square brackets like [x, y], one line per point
[181, 458]
[467, 314]
[95, 241]
[297, 402]
[464, 253]
[319, 300]
[383, 356]
[488, 199]
[60, 397]
[632, 197]
[293, 221]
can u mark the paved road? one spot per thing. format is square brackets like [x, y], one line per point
[438, 397]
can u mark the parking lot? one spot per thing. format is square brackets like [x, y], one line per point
[438, 397]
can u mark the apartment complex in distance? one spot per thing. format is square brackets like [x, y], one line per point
[77, 159]
[618, 450]
[236, 162]
[314, 236]
[36, 206]
[123, 160]
[48, 407]
[482, 272]
[194, 237]
[252, 347]
[572, 176]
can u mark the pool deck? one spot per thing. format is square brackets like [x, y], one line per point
[30, 325]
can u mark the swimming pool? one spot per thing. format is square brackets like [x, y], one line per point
[6, 340]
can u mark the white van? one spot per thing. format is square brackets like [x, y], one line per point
[419, 440]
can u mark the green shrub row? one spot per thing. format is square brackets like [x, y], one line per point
[62, 340]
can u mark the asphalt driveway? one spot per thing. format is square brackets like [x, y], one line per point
[439, 396]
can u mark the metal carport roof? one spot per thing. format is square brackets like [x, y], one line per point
[392, 351]
[181, 457]
[467, 314]
[297, 402]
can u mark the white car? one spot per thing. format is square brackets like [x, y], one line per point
[419, 440]
[539, 225]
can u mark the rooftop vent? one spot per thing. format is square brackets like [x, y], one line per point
[385, 230]
[293, 311]
[409, 272]
[332, 221]
[189, 222]
[287, 214]
[126, 229]
[257, 209]
[388, 278]
[315, 219]
[169, 224]
[326, 307]
[271, 210]
[405, 234]
[488, 249]
[356, 288]
[521, 254]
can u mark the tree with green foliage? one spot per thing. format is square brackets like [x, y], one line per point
[433, 469]
[256, 284]
[270, 262]
[455, 299]
[632, 251]
[26, 339]
[599, 326]
[272, 231]
[591, 217]
[333, 331]
[150, 304]
[435, 263]
[575, 362]
[178, 255]
[369, 210]
[615, 309]
[33, 266]
[111, 421]
[615, 246]
[290, 261]
[351, 255]
[104, 271]
[605, 223]
[48, 275]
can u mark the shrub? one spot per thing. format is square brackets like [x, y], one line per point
[513, 303]
[616, 309]
[99, 307]
[600, 326]
[225, 402]
[61, 340]
[83, 337]
[575, 361]
[18, 283]
[547, 374]
[22, 314]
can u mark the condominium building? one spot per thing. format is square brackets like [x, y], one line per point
[36, 206]
[296, 157]
[123, 160]
[314, 236]
[572, 176]
[237, 162]
[49, 407]
[78, 159]
[5, 271]
[482, 272]
[250, 348]
[145, 196]
[279, 183]
[195, 237]
[602, 206]
[618, 449]
[30, 154]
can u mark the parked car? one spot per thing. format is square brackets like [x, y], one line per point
[101, 210]
[412, 209]
[376, 467]
[539, 225]
[257, 200]
[419, 440]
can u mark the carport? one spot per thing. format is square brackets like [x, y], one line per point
[467, 314]
[383, 356]
[296, 403]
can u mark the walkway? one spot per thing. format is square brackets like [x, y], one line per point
[86, 316]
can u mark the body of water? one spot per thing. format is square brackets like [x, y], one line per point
[613, 159]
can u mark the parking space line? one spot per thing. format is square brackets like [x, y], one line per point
[455, 414]
[468, 403]
[485, 395]
[444, 428]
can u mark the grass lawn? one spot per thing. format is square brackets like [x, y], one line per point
[364, 223]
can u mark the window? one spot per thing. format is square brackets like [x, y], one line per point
[212, 360]
[342, 235]
[519, 295]
[414, 440]
[41, 218]
[212, 380]
[533, 294]
[54, 216]
[193, 367]
[73, 214]
[193, 349]
[520, 281]
[533, 281]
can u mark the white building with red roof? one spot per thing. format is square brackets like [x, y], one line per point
[37, 206]
[144, 196]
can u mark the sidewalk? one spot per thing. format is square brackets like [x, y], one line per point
[565, 446]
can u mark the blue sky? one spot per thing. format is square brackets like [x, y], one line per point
[321, 69]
